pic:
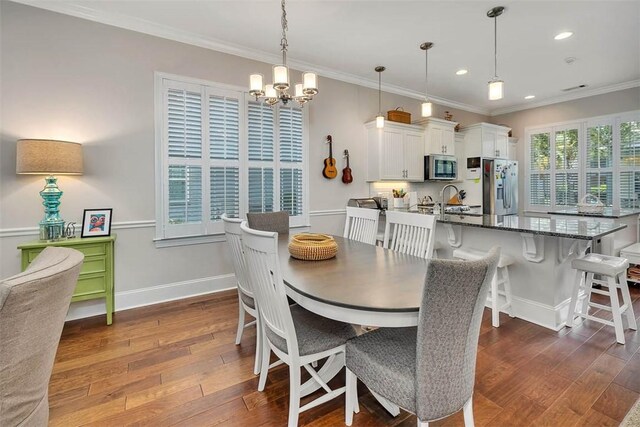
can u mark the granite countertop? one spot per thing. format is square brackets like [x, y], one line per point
[573, 228]
[608, 212]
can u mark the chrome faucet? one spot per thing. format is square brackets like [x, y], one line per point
[444, 201]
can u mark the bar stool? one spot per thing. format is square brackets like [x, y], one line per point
[614, 269]
[500, 278]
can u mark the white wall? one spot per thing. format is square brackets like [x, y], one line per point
[593, 106]
[67, 78]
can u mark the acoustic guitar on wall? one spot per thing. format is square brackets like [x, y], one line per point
[347, 178]
[329, 171]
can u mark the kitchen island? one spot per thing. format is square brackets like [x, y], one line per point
[611, 243]
[541, 276]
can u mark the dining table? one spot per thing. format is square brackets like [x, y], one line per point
[362, 285]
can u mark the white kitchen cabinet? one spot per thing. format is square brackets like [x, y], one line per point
[486, 140]
[512, 149]
[439, 136]
[395, 152]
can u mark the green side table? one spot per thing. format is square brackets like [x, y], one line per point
[96, 274]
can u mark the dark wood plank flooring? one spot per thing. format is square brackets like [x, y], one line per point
[177, 364]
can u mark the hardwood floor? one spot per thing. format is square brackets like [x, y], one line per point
[177, 364]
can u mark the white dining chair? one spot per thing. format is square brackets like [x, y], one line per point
[246, 301]
[297, 336]
[410, 233]
[361, 224]
[429, 370]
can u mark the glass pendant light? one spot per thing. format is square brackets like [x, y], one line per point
[427, 108]
[380, 118]
[496, 85]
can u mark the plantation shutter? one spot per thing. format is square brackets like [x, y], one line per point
[184, 184]
[599, 162]
[539, 168]
[566, 167]
[261, 153]
[629, 164]
[291, 160]
[224, 154]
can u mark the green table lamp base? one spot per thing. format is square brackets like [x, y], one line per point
[52, 226]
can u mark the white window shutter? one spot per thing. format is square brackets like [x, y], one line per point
[261, 189]
[184, 123]
[629, 164]
[539, 167]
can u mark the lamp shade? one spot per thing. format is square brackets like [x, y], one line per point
[45, 156]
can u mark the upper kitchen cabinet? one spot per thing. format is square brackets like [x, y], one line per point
[512, 149]
[486, 140]
[395, 152]
[439, 136]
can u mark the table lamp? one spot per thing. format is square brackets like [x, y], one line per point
[49, 157]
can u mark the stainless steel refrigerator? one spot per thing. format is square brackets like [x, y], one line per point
[499, 187]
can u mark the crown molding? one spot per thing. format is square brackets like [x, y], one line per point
[568, 97]
[162, 31]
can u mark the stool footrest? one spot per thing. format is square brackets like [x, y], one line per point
[596, 319]
[600, 292]
[600, 306]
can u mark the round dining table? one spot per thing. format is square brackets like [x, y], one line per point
[363, 284]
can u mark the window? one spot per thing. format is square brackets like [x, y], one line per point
[629, 163]
[221, 152]
[592, 156]
[540, 169]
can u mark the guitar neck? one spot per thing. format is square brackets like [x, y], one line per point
[330, 149]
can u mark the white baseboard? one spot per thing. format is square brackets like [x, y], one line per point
[541, 314]
[153, 295]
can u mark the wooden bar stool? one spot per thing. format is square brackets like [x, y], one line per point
[614, 271]
[500, 278]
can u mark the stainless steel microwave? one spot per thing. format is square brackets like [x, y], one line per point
[440, 168]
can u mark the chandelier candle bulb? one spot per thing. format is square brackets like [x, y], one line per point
[255, 84]
[280, 77]
[270, 92]
[309, 83]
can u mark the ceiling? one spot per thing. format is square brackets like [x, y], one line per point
[347, 39]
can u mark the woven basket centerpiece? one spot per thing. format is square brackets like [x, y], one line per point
[312, 247]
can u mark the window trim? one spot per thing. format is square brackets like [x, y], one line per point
[162, 163]
[582, 125]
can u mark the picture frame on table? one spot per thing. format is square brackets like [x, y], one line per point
[96, 223]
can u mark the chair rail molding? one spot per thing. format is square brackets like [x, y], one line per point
[34, 231]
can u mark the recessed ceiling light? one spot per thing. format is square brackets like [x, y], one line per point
[529, 97]
[563, 35]
[462, 72]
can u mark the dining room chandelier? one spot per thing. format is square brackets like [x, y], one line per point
[279, 90]
[427, 107]
[496, 85]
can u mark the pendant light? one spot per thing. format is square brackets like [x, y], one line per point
[380, 118]
[427, 109]
[496, 86]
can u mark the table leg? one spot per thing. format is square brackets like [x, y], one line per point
[330, 369]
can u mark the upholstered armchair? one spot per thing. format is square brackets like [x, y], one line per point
[33, 307]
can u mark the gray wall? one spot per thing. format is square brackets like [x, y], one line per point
[72, 79]
[593, 106]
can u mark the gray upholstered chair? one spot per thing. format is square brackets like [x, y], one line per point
[297, 336]
[428, 370]
[269, 221]
[33, 306]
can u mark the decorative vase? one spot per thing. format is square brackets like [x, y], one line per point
[398, 202]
